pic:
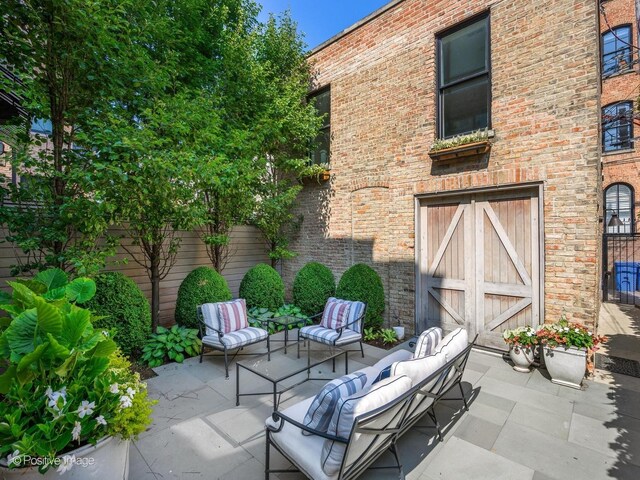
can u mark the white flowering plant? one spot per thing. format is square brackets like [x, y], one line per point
[520, 337]
[568, 335]
[64, 384]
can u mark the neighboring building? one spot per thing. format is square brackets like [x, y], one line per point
[487, 240]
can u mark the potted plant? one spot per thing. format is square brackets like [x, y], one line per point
[399, 329]
[521, 341]
[566, 346]
[70, 401]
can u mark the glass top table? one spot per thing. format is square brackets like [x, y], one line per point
[286, 321]
[284, 365]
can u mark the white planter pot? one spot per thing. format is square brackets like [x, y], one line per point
[109, 459]
[399, 332]
[522, 358]
[566, 366]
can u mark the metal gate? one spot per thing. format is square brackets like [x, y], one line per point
[621, 268]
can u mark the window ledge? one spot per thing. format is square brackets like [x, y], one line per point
[619, 73]
[618, 152]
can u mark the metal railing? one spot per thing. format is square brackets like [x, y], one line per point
[621, 268]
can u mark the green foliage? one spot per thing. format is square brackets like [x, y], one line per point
[388, 336]
[313, 285]
[477, 136]
[175, 343]
[566, 334]
[123, 309]
[361, 282]
[260, 317]
[202, 285]
[371, 334]
[63, 383]
[262, 287]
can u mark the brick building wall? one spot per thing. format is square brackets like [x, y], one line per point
[545, 115]
[622, 166]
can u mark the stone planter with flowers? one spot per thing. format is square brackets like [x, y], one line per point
[70, 401]
[566, 350]
[522, 342]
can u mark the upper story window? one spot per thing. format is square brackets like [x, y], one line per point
[618, 200]
[322, 151]
[464, 78]
[616, 50]
[617, 126]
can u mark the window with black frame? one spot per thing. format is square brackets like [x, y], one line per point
[322, 151]
[617, 126]
[464, 78]
[618, 201]
[616, 50]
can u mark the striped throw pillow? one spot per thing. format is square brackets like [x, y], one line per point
[427, 342]
[321, 410]
[335, 315]
[233, 315]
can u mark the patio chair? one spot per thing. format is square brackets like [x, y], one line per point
[225, 326]
[336, 332]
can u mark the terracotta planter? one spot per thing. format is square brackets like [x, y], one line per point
[566, 366]
[461, 151]
[109, 459]
[522, 358]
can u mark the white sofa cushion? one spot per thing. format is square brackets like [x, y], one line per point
[420, 368]
[454, 343]
[427, 342]
[397, 356]
[349, 408]
[324, 404]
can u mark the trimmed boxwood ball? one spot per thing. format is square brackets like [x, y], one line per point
[262, 287]
[361, 282]
[125, 309]
[313, 284]
[202, 285]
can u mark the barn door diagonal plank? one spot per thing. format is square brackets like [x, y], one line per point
[507, 314]
[447, 306]
[445, 241]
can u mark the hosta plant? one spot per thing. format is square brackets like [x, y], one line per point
[371, 334]
[388, 336]
[260, 317]
[64, 384]
[175, 343]
[520, 337]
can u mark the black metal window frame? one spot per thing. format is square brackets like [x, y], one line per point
[613, 123]
[612, 62]
[440, 87]
[325, 129]
[617, 208]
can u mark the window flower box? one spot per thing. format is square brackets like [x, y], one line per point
[473, 149]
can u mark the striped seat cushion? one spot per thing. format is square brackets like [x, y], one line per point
[321, 410]
[233, 315]
[329, 336]
[237, 339]
[355, 312]
[210, 317]
[427, 342]
[335, 314]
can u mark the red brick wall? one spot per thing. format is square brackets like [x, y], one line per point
[545, 115]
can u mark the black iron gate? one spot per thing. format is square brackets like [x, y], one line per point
[621, 268]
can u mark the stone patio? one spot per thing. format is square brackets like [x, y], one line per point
[520, 426]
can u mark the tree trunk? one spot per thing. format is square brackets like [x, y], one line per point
[155, 293]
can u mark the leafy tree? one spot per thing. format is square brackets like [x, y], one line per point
[61, 57]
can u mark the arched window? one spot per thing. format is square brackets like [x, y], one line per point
[618, 200]
[616, 50]
[617, 126]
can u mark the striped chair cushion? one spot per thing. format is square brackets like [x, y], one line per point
[427, 342]
[210, 317]
[233, 315]
[321, 410]
[237, 339]
[356, 311]
[335, 315]
[329, 336]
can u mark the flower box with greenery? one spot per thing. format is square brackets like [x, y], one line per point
[473, 144]
[70, 401]
[522, 342]
[566, 350]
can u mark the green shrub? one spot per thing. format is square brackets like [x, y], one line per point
[125, 309]
[361, 282]
[262, 287]
[202, 285]
[313, 284]
[175, 343]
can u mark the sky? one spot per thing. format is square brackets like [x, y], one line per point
[321, 19]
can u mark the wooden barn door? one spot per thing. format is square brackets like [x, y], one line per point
[479, 264]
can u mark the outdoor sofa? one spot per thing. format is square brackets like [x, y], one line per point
[366, 423]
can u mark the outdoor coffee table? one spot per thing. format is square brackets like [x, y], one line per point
[284, 366]
[286, 321]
